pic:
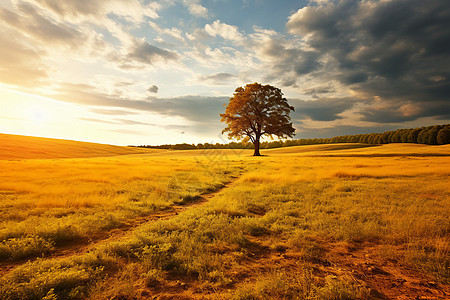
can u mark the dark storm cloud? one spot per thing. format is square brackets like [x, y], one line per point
[396, 50]
[403, 112]
[321, 109]
[285, 60]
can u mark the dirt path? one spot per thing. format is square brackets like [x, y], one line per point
[359, 262]
[83, 245]
[388, 279]
[385, 279]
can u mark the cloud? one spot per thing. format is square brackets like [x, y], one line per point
[132, 122]
[198, 34]
[196, 109]
[315, 92]
[111, 112]
[228, 32]
[201, 113]
[30, 22]
[176, 127]
[388, 50]
[142, 54]
[395, 112]
[325, 109]
[352, 62]
[119, 121]
[195, 8]
[284, 61]
[98, 121]
[34, 41]
[127, 131]
[96, 11]
[221, 58]
[20, 64]
[217, 79]
[174, 33]
[69, 29]
[149, 54]
[153, 89]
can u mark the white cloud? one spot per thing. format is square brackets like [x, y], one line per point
[42, 30]
[172, 32]
[37, 45]
[320, 2]
[196, 9]
[224, 59]
[199, 34]
[96, 11]
[20, 64]
[228, 32]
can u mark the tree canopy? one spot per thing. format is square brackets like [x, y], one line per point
[256, 110]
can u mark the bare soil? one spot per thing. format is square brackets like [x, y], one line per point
[358, 261]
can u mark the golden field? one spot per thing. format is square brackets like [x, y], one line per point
[13, 147]
[337, 221]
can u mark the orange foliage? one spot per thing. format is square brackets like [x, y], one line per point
[256, 110]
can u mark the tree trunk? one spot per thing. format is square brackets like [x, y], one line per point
[256, 144]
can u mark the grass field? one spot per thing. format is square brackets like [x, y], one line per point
[14, 147]
[340, 221]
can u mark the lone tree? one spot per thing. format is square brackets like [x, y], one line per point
[256, 110]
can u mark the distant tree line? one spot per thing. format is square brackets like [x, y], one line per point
[430, 135]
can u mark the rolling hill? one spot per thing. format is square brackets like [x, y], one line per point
[13, 147]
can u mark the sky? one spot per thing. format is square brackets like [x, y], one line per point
[135, 72]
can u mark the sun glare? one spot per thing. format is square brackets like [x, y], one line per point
[33, 115]
[38, 114]
[27, 114]
[28, 107]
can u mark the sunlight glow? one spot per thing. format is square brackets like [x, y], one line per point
[38, 114]
[33, 115]
[27, 114]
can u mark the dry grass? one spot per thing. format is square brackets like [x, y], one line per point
[14, 147]
[62, 200]
[308, 222]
